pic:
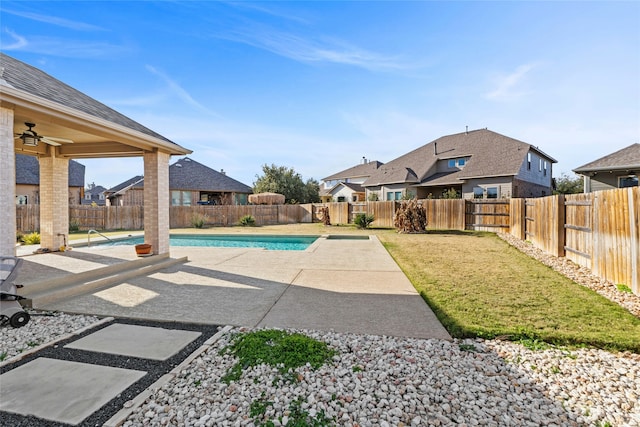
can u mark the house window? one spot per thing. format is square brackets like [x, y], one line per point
[628, 181]
[545, 168]
[398, 195]
[87, 196]
[478, 193]
[175, 198]
[452, 163]
[354, 198]
[390, 196]
[492, 192]
[340, 198]
[186, 198]
[528, 161]
[21, 199]
[101, 196]
[540, 165]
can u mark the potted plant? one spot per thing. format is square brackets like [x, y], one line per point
[143, 249]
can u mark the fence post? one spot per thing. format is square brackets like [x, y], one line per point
[558, 227]
[634, 217]
[516, 218]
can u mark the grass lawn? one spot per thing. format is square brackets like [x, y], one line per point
[480, 286]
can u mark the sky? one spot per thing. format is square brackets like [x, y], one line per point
[319, 85]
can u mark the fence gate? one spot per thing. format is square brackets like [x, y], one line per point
[487, 215]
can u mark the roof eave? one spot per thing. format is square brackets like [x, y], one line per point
[73, 118]
[614, 168]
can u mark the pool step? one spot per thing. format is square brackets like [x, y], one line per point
[38, 294]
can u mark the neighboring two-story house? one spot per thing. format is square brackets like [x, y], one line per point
[94, 195]
[28, 181]
[616, 170]
[476, 164]
[346, 186]
[190, 183]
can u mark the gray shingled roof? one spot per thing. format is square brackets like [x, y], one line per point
[491, 154]
[36, 82]
[354, 187]
[363, 169]
[136, 181]
[624, 159]
[187, 174]
[28, 171]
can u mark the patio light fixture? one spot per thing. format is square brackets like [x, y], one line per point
[29, 137]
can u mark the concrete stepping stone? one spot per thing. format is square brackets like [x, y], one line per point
[136, 341]
[62, 391]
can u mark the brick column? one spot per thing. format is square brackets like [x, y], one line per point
[54, 201]
[8, 187]
[156, 201]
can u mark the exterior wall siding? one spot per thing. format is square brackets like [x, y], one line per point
[525, 189]
[503, 184]
[534, 175]
[605, 181]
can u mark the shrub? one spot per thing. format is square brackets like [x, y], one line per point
[363, 220]
[411, 217]
[247, 221]
[74, 226]
[31, 238]
[198, 220]
[323, 213]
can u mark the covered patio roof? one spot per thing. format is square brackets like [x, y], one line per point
[74, 126]
[60, 111]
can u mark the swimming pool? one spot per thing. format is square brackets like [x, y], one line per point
[269, 242]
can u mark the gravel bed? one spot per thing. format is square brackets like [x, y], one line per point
[386, 381]
[42, 328]
[578, 274]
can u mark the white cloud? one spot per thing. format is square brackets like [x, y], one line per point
[19, 42]
[508, 86]
[54, 20]
[173, 88]
[66, 48]
[310, 50]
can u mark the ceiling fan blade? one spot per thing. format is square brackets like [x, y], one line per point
[50, 141]
[62, 140]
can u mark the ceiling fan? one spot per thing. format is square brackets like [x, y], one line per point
[30, 138]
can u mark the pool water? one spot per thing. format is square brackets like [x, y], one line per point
[269, 242]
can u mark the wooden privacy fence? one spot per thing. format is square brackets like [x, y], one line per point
[600, 230]
[229, 215]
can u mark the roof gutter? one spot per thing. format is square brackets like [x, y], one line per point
[601, 169]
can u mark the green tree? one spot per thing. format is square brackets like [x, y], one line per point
[567, 185]
[286, 181]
